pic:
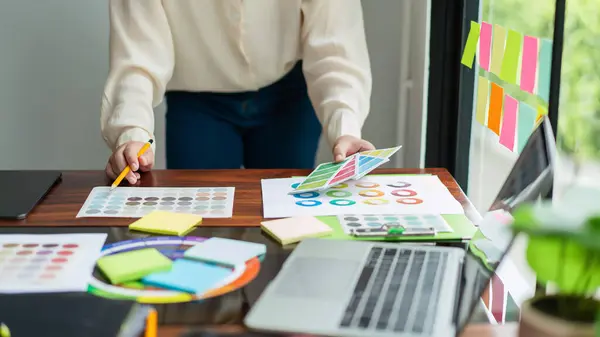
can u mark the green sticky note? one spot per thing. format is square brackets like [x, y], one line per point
[471, 45]
[512, 53]
[133, 265]
[497, 49]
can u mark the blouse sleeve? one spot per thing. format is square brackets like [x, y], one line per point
[336, 65]
[141, 64]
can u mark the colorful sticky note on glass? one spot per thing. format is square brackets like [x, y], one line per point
[189, 276]
[495, 109]
[541, 112]
[166, 223]
[499, 37]
[529, 63]
[510, 61]
[509, 122]
[525, 123]
[485, 45]
[471, 45]
[483, 89]
[133, 265]
[226, 252]
[544, 72]
[295, 229]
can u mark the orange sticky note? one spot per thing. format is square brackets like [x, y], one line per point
[495, 109]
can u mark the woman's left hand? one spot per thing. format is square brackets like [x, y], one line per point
[348, 145]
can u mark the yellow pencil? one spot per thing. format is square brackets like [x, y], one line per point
[127, 168]
[151, 323]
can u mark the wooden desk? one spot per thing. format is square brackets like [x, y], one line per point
[57, 215]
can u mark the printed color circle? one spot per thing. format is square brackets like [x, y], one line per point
[202, 198]
[59, 260]
[185, 198]
[308, 203]
[65, 253]
[409, 201]
[342, 202]
[390, 218]
[306, 195]
[111, 211]
[44, 252]
[10, 245]
[184, 203]
[30, 245]
[373, 224]
[220, 189]
[132, 203]
[25, 252]
[151, 198]
[353, 224]
[202, 194]
[367, 185]
[168, 198]
[371, 218]
[338, 194]
[50, 245]
[399, 184]
[134, 198]
[167, 203]
[54, 267]
[342, 185]
[351, 218]
[149, 203]
[371, 193]
[404, 193]
[92, 211]
[376, 201]
[219, 198]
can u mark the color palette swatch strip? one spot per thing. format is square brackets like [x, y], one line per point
[351, 222]
[48, 263]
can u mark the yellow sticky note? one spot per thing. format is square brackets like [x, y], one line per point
[498, 40]
[167, 223]
[471, 45]
[483, 89]
[541, 112]
[295, 229]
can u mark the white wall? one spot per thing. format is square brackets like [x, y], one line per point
[54, 60]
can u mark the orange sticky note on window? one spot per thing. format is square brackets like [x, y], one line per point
[495, 109]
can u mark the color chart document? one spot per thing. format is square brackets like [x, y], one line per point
[48, 263]
[135, 202]
[418, 194]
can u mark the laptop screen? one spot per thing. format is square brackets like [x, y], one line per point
[530, 178]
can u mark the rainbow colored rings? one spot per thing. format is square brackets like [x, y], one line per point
[342, 185]
[367, 185]
[306, 195]
[338, 194]
[409, 201]
[371, 193]
[342, 202]
[308, 203]
[404, 193]
[399, 184]
[376, 201]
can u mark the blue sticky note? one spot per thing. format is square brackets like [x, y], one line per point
[225, 251]
[544, 69]
[189, 276]
[525, 123]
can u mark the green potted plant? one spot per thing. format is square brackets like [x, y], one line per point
[563, 250]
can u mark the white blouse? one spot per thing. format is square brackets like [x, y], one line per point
[234, 46]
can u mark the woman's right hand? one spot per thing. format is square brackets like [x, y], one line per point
[126, 154]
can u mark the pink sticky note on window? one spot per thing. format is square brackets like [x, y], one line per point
[485, 45]
[529, 63]
[509, 122]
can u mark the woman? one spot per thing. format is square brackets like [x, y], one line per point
[241, 78]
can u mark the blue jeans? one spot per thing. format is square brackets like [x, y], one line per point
[274, 127]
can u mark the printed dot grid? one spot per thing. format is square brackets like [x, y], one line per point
[351, 221]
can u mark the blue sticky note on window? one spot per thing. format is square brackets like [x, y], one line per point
[189, 276]
[225, 251]
[544, 69]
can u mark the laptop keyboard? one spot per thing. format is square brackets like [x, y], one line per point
[397, 291]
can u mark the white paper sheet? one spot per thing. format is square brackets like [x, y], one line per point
[135, 202]
[48, 263]
[419, 194]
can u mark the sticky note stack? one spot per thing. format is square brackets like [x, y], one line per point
[225, 252]
[133, 265]
[189, 276]
[292, 230]
[167, 223]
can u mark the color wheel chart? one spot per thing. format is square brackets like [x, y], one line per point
[376, 195]
[173, 247]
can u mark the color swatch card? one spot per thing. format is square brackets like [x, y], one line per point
[351, 222]
[354, 167]
[292, 230]
[411, 194]
[167, 223]
[48, 263]
[136, 202]
[189, 276]
[226, 252]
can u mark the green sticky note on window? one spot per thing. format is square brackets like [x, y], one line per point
[133, 265]
[499, 37]
[471, 45]
[512, 53]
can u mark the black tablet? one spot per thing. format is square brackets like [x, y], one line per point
[21, 191]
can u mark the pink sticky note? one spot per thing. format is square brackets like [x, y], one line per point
[529, 63]
[509, 122]
[485, 45]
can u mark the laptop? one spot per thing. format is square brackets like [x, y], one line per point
[350, 288]
[22, 190]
